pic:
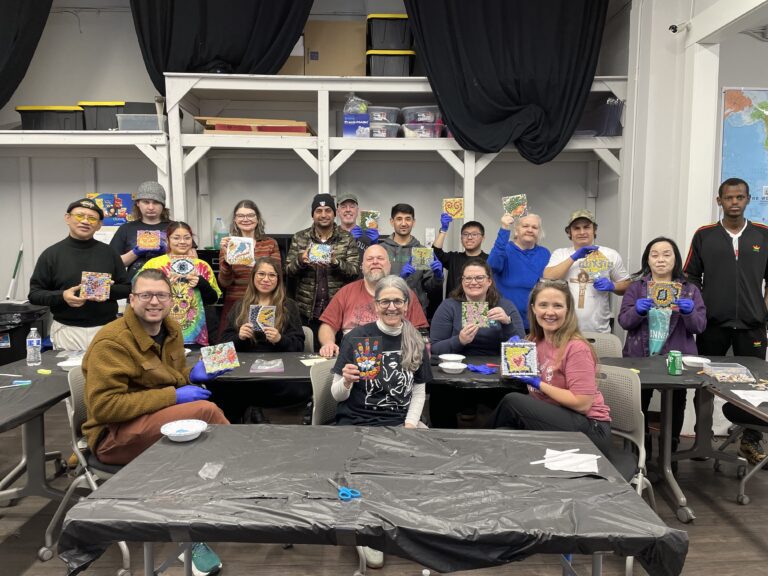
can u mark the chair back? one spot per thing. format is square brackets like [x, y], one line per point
[606, 345]
[76, 411]
[323, 402]
[621, 390]
[309, 339]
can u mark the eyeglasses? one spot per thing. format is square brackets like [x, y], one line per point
[147, 296]
[397, 303]
[470, 234]
[476, 279]
[251, 216]
[80, 217]
[263, 275]
[181, 238]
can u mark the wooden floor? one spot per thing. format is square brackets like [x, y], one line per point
[725, 539]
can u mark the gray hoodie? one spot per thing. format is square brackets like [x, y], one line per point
[420, 281]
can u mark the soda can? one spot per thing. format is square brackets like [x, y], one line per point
[675, 363]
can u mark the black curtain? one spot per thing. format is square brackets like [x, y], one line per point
[225, 36]
[21, 25]
[510, 71]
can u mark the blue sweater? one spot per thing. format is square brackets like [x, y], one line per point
[516, 271]
[446, 325]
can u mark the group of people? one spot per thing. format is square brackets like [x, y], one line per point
[366, 304]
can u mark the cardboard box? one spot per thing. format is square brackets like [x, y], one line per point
[334, 48]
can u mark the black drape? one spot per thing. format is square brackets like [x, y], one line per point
[510, 71]
[227, 36]
[21, 25]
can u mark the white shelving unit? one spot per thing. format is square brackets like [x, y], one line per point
[326, 153]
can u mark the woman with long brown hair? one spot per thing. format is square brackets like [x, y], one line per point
[564, 396]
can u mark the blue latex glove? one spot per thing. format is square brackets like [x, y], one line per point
[356, 232]
[532, 381]
[437, 268]
[642, 305]
[373, 234]
[198, 375]
[445, 221]
[514, 338]
[582, 252]
[685, 305]
[604, 285]
[407, 269]
[139, 251]
[481, 369]
[190, 393]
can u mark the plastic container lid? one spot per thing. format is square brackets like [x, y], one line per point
[87, 103]
[48, 109]
[388, 16]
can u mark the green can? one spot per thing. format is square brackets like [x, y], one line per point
[675, 363]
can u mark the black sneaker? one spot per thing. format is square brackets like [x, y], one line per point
[254, 415]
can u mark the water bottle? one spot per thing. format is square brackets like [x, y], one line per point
[219, 233]
[34, 348]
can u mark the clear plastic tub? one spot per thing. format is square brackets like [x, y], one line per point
[384, 130]
[725, 372]
[387, 114]
[422, 115]
[143, 122]
[422, 130]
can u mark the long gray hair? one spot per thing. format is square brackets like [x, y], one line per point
[411, 342]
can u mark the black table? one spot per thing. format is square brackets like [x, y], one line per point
[653, 374]
[25, 406]
[447, 499]
[472, 380]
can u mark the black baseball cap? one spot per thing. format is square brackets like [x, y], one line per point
[86, 203]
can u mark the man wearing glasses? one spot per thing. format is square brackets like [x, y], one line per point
[472, 235]
[56, 279]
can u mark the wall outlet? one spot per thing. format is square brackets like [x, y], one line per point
[429, 236]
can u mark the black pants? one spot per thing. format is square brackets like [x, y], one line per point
[716, 340]
[446, 401]
[678, 411]
[524, 412]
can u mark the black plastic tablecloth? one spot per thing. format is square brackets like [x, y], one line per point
[447, 499]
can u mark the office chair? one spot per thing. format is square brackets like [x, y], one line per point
[741, 470]
[606, 345]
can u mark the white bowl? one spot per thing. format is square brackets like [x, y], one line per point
[70, 363]
[183, 430]
[452, 367]
[695, 361]
[451, 357]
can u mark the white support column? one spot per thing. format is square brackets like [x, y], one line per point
[697, 181]
[205, 217]
[593, 185]
[469, 185]
[323, 142]
[176, 154]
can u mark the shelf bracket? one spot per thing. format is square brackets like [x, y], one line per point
[618, 88]
[610, 160]
[339, 160]
[194, 155]
[483, 162]
[453, 161]
[307, 156]
[157, 156]
[176, 90]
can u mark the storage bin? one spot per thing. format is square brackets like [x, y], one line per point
[422, 114]
[389, 62]
[383, 114]
[384, 130]
[601, 116]
[51, 117]
[389, 32]
[142, 122]
[421, 130]
[101, 115]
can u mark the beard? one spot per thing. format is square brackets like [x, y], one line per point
[373, 276]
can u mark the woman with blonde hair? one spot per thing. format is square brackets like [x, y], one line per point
[564, 396]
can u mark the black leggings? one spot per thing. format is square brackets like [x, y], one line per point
[524, 412]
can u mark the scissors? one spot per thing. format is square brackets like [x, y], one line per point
[345, 494]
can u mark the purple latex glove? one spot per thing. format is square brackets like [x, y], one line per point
[356, 232]
[532, 381]
[604, 285]
[642, 305]
[514, 338]
[445, 221]
[582, 252]
[407, 269]
[685, 305]
[437, 268]
[190, 393]
[373, 234]
[198, 375]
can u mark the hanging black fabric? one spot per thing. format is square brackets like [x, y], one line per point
[21, 26]
[510, 72]
[225, 36]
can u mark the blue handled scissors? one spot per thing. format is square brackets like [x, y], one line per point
[345, 494]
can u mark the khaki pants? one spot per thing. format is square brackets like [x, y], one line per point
[126, 440]
[72, 338]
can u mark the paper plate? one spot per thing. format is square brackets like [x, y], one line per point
[70, 363]
[453, 367]
[183, 430]
[695, 361]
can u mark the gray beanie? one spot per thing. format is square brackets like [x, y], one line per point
[151, 190]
